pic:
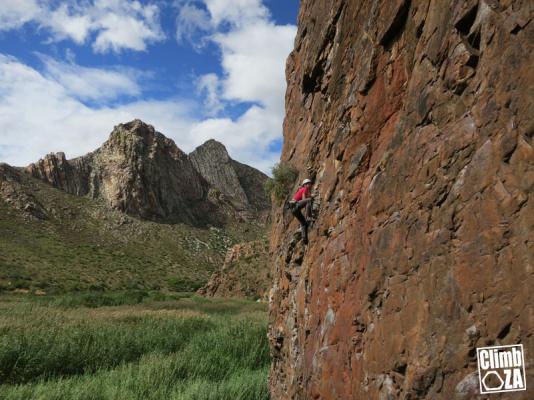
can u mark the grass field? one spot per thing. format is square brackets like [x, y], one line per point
[132, 345]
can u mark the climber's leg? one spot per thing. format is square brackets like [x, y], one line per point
[304, 203]
[305, 233]
[298, 215]
[308, 212]
[303, 223]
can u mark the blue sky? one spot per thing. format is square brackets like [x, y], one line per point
[195, 69]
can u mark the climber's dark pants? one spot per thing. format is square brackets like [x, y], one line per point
[295, 210]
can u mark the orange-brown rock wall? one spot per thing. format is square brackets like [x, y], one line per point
[416, 121]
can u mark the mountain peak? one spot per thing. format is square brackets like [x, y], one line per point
[213, 143]
[136, 126]
[143, 173]
[133, 130]
[213, 147]
[212, 161]
[241, 185]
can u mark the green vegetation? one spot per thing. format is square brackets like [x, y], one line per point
[81, 245]
[101, 299]
[284, 177]
[248, 276]
[95, 304]
[182, 285]
[153, 346]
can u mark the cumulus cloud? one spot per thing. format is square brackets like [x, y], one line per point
[95, 84]
[15, 13]
[127, 25]
[253, 53]
[64, 24]
[190, 22]
[39, 114]
[240, 13]
[209, 86]
[116, 24]
[255, 72]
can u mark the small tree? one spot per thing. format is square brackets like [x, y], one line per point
[284, 177]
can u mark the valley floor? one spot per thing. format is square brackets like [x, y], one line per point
[132, 345]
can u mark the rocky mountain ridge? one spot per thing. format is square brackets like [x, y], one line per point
[415, 120]
[138, 187]
[144, 174]
[55, 242]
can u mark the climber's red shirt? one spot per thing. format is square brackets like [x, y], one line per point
[302, 193]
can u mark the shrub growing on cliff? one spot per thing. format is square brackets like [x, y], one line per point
[284, 177]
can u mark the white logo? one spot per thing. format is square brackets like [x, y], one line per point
[501, 369]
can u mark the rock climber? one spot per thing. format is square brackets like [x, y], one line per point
[302, 199]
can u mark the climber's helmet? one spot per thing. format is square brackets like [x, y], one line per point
[306, 181]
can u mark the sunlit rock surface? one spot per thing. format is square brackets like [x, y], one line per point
[416, 121]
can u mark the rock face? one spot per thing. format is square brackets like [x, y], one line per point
[214, 164]
[252, 181]
[15, 191]
[240, 184]
[245, 273]
[71, 176]
[144, 174]
[415, 120]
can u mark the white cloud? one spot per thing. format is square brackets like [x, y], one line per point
[63, 24]
[190, 21]
[237, 12]
[39, 115]
[253, 70]
[209, 85]
[97, 84]
[15, 13]
[125, 25]
[70, 56]
[253, 55]
[197, 19]
[116, 24]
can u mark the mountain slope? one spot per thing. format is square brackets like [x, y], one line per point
[245, 273]
[240, 183]
[212, 161]
[55, 241]
[253, 183]
[135, 213]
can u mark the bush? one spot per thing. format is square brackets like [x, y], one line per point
[184, 284]
[284, 177]
[97, 299]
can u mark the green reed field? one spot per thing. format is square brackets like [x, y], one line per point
[132, 345]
